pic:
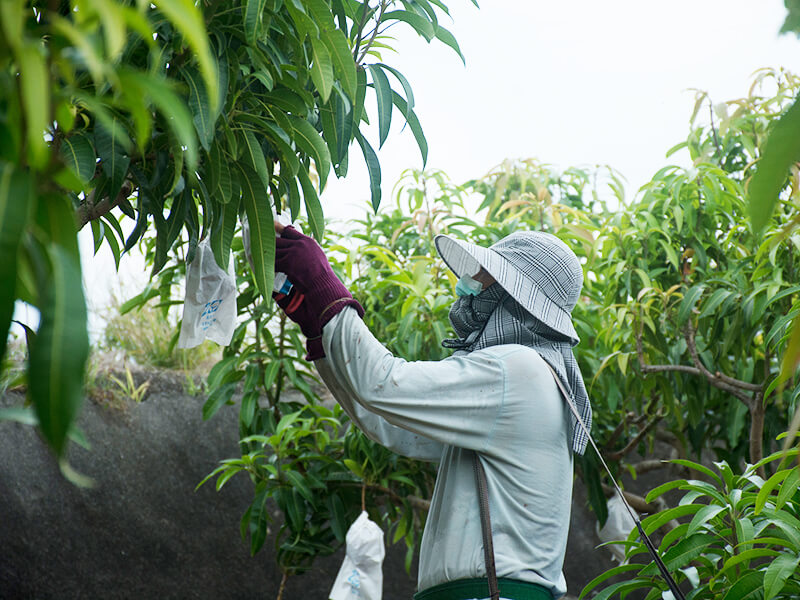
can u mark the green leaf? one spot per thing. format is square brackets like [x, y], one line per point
[717, 298]
[329, 130]
[781, 151]
[217, 398]
[222, 232]
[306, 26]
[788, 488]
[172, 107]
[447, 38]
[744, 533]
[262, 230]
[35, 88]
[255, 156]
[358, 104]
[299, 483]
[746, 588]
[313, 206]
[697, 467]
[655, 521]
[607, 575]
[60, 349]
[689, 300]
[199, 106]
[777, 573]
[310, 142]
[113, 155]
[682, 553]
[420, 24]
[187, 17]
[766, 489]
[321, 68]
[253, 17]
[662, 489]
[788, 525]
[383, 92]
[413, 122]
[610, 590]
[77, 153]
[354, 467]
[373, 168]
[338, 522]
[279, 138]
[409, 99]
[12, 23]
[16, 197]
[703, 516]
[342, 58]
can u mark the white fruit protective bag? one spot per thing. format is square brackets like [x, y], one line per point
[361, 574]
[209, 309]
[618, 526]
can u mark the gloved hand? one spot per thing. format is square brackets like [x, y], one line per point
[323, 295]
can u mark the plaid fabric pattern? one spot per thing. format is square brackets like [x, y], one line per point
[549, 272]
[536, 268]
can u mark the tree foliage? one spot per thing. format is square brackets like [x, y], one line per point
[181, 117]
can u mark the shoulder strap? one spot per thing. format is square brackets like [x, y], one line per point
[486, 526]
[644, 537]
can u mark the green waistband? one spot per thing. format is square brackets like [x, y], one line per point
[470, 589]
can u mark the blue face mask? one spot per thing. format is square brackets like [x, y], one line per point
[467, 286]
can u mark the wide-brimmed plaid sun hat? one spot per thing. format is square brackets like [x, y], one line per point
[537, 269]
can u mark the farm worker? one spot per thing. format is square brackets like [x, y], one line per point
[495, 396]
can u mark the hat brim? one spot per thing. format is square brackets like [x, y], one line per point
[465, 258]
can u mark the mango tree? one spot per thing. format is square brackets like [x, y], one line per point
[181, 117]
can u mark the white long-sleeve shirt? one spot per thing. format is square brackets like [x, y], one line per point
[503, 403]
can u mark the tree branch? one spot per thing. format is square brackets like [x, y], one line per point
[690, 342]
[645, 466]
[723, 382]
[635, 441]
[360, 29]
[618, 430]
[374, 34]
[415, 501]
[637, 503]
[88, 210]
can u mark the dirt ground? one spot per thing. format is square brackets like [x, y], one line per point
[144, 532]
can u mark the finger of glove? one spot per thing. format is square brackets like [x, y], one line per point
[291, 233]
[295, 245]
[285, 262]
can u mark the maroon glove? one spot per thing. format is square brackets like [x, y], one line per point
[317, 294]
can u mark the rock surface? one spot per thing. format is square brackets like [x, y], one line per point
[144, 532]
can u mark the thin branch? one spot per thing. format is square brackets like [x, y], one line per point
[635, 441]
[360, 29]
[374, 34]
[645, 466]
[638, 503]
[618, 430]
[282, 586]
[414, 501]
[88, 210]
[728, 384]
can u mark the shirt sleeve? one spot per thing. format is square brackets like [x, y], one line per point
[456, 401]
[376, 427]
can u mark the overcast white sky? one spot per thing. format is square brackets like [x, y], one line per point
[569, 82]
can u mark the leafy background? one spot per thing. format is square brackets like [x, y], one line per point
[195, 117]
